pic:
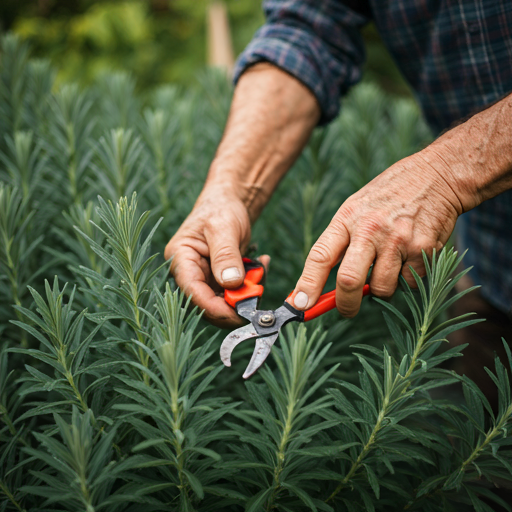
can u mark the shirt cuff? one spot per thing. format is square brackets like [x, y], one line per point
[289, 58]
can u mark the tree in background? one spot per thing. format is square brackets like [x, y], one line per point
[158, 41]
[219, 45]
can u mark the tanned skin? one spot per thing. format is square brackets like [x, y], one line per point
[412, 205]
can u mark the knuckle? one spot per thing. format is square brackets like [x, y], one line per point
[399, 239]
[346, 212]
[383, 290]
[308, 281]
[321, 254]
[424, 244]
[415, 261]
[211, 225]
[347, 312]
[348, 282]
[223, 254]
[373, 225]
[416, 249]
[337, 226]
[171, 248]
[408, 275]
[419, 269]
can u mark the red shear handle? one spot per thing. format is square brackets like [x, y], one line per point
[254, 274]
[325, 303]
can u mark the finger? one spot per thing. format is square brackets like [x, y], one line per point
[417, 263]
[216, 310]
[190, 277]
[225, 258]
[352, 277]
[264, 259]
[321, 259]
[386, 270]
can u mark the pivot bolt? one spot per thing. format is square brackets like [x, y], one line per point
[267, 319]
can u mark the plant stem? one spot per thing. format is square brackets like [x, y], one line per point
[177, 421]
[78, 395]
[488, 438]
[69, 376]
[134, 292]
[134, 295]
[385, 404]
[13, 278]
[10, 496]
[495, 431]
[281, 453]
[293, 394]
[4, 414]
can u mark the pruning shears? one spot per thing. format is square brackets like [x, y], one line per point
[265, 325]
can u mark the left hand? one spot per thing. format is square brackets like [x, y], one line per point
[409, 207]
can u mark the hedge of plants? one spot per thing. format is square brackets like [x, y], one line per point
[112, 394]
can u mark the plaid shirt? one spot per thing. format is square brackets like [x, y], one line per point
[457, 56]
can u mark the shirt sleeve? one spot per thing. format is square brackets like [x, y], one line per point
[317, 41]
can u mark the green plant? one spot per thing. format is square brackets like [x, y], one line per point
[112, 395]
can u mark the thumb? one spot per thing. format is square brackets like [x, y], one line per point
[225, 258]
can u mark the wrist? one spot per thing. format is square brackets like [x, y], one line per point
[449, 163]
[476, 155]
[435, 168]
[228, 181]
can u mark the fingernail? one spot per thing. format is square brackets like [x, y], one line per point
[230, 274]
[301, 300]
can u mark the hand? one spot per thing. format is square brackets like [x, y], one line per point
[407, 208]
[270, 120]
[206, 253]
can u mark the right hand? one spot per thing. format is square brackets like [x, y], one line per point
[206, 253]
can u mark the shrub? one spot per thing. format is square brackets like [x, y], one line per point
[112, 395]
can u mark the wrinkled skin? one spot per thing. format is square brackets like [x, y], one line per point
[410, 207]
[208, 241]
[406, 209]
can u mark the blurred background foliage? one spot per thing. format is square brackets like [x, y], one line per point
[158, 41]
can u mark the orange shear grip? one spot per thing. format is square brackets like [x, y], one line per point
[251, 287]
[325, 303]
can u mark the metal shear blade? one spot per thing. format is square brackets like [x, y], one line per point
[266, 337]
[235, 338]
[261, 352]
[265, 325]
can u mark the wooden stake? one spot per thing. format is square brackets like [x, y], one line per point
[220, 46]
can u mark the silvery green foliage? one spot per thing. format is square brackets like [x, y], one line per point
[112, 395]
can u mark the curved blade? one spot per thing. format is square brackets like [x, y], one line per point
[233, 339]
[261, 352]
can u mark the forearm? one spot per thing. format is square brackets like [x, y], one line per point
[476, 156]
[271, 118]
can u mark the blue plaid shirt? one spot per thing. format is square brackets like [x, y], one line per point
[457, 56]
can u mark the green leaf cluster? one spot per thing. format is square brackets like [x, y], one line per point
[112, 394]
[157, 40]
